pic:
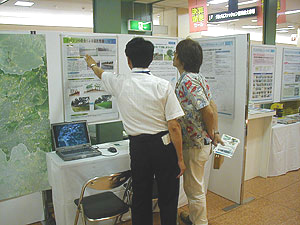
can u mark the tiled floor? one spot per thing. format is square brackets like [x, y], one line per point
[277, 202]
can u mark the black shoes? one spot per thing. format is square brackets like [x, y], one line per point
[184, 216]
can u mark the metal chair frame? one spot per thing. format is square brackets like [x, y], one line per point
[104, 183]
[130, 192]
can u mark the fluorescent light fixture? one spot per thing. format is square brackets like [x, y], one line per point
[282, 31]
[254, 21]
[3, 1]
[251, 27]
[23, 3]
[228, 21]
[215, 2]
[292, 12]
[286, 28]
[245, 3]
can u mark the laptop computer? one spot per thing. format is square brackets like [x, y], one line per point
[71, 140]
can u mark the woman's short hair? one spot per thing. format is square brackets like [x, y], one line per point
[189, 52]
[140, 52]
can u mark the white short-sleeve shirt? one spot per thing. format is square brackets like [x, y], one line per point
[145, 102]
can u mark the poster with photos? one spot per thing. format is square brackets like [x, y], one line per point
[162, 64]
[291, 74]
[84, 97]
[263, 59]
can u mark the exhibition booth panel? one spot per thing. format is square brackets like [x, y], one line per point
[274, 77]
[233, 80]
[225, 66]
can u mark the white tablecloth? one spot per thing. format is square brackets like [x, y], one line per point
[285, 149]
[67, 178]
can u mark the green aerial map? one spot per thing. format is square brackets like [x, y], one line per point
[24, 110]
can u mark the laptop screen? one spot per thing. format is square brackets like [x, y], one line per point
[70, 134]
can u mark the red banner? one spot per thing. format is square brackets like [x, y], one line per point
[281, 8]
[198, 15]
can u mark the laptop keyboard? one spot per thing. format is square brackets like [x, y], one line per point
[81, 150]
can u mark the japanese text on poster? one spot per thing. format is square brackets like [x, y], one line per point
[84, 98]
[291, 74]
[262, 73]
[162, 64]
[219, 69]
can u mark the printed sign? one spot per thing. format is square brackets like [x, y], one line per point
[224, 16]
[198, 15]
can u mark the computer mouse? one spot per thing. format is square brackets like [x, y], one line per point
[112, 150]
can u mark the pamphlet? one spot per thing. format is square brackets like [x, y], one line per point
[230, 145]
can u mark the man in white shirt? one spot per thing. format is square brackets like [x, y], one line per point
[149, 110]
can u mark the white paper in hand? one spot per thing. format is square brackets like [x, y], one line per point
[229, 148]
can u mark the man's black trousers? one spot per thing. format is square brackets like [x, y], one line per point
[151, 158]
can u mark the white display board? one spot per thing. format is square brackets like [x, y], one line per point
[262, 73]
[290, 85]
[228, 180]
[84, 98]
[218, 67]
[162, 64]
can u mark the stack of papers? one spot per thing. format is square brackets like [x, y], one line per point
[230, 145]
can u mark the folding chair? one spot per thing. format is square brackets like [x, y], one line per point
[129, 193]
[105, 205]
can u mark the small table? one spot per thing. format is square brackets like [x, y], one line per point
[285, 149]
[67, 177]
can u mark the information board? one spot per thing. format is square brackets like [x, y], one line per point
[218, 67]
[162, 64]
[24, 108]
[84, 98]
[262, 67]
[290, 74]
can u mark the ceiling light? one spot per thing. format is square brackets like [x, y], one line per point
[292, 12]
[282, 31]
[3, 1]
[212, 25]
[215, 2]
[251, 27]
[23, 3]
[286, 28]
[245, 3]
[228, 21]
[254, 21]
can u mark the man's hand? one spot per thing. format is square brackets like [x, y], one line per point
[89, 60]
[182, 168]
[217, 140]
[93, 64]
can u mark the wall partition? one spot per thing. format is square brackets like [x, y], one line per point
[225, 65]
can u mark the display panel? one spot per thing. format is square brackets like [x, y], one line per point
[162, 64]
[84, 98]
[218, 67]
[262, 66]
[290, 74]
[24, 128]
[70, 134]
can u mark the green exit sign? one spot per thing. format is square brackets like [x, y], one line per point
[136, 25]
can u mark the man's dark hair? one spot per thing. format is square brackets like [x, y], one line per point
[190, 54]
[140, 52]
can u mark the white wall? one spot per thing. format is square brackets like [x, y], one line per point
[23, 210]
[167, 17]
